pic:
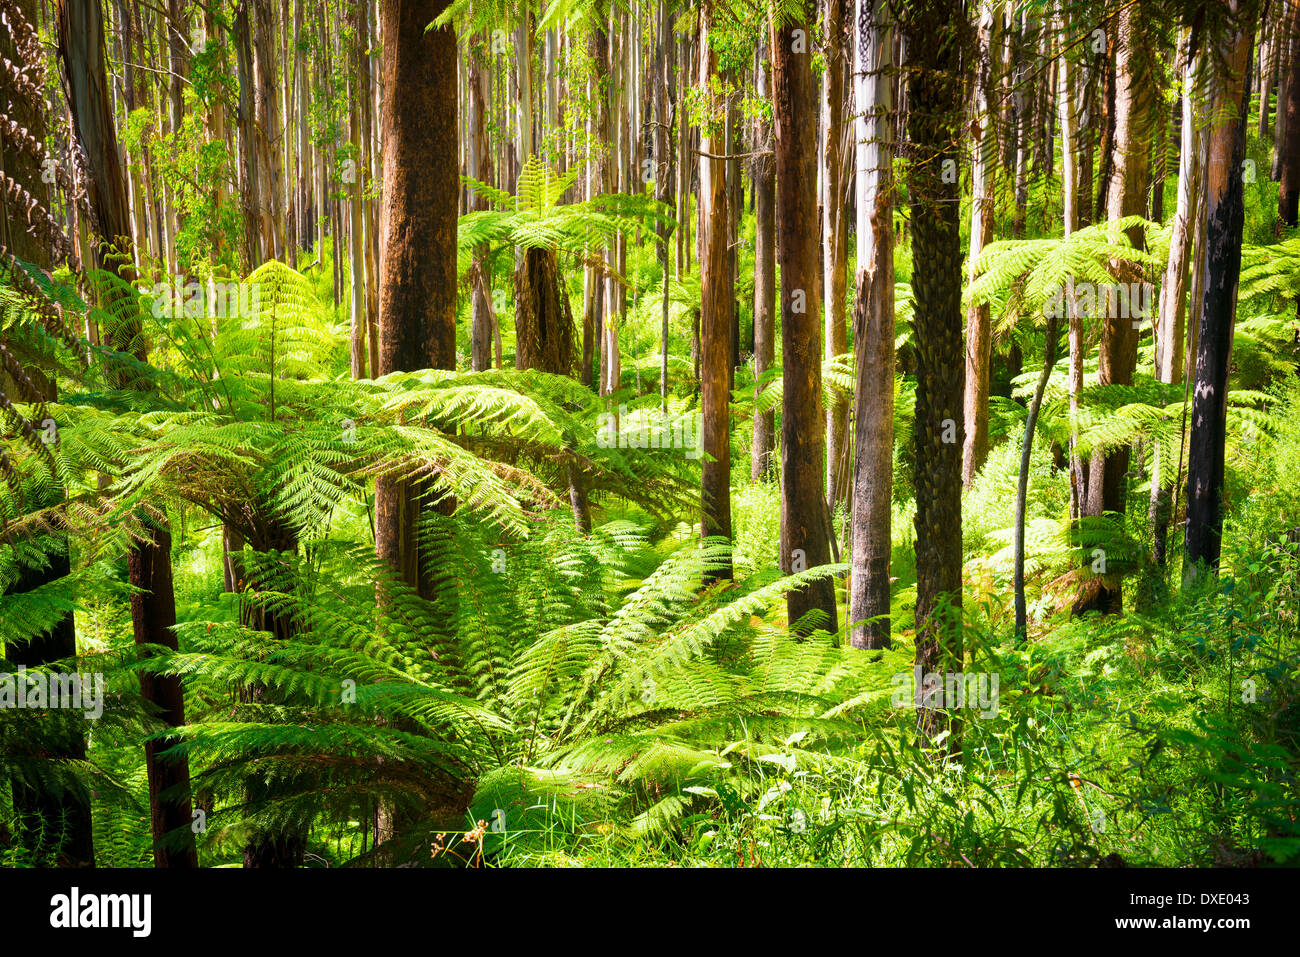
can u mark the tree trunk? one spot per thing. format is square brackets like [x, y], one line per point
[250, 182]
[481, 170]
[270, 165]
[835, 225]
[804, 529]
[1288, 53]
[764, 175]
[418, 286]
[153, 606]
[1288, 201]
[1022, 482]
[356, 216]
[664, 154]
[717, 305]
[1224, 216]
[934, 117]
[1173, 303]
[873, 329]
[1070, 217]
[979, 339]
[1126, 196]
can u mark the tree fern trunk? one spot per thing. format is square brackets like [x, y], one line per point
[934, 118]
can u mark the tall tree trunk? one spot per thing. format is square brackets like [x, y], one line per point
[764, 175]
[1288, 201]
[269, 162]
[1070, 217]
[1288, 54]
[597, 183]
[717, 304]
[368, 173]
[1267, 72]
[1173, 301]
[1108, 482]
[481, 170]
[804, 541]
[664, 155]
[979, 340]
[835, 225]
[153, 606]
[355, 183]
[873, 328]
[1224, 216]
[935, 86]
[418, 286]
[250, 182]
[417, 294]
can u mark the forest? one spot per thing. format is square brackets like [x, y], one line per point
[649, 433]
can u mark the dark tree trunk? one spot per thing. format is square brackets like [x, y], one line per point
[1022, 481]
[935, 89]
[716, 311]
[804, 541]
[543, 322]
[1221, 267]
[715, 317]
[417, 296]
[1288, 200]
[153, 607]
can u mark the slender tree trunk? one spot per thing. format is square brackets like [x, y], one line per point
[979, 339]
[835, 225]
[368, 174]
[873, 329]
[270, 166]
[764, 174]
[356, 217]
[250, 183]
[481, 170]
[1070, 216]
[597, 183]
[664, 154]
[1267, 72]
[716, 308]
[1022, 482]
[1173, 303]
[1288, 53]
